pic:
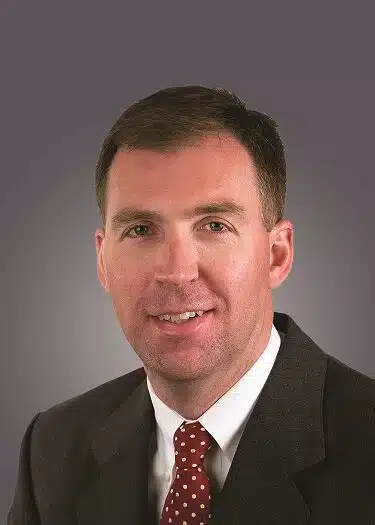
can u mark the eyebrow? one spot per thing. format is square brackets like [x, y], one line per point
[126, 215]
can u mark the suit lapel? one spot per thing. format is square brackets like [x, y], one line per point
[117, 488]
[284, 435]
[257, 489]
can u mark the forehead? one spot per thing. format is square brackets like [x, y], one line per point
[218, 167]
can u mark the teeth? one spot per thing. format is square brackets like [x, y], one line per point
[179, 317]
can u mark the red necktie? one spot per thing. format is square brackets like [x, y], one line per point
[188, 499]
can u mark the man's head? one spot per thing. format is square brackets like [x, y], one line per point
[191, 190]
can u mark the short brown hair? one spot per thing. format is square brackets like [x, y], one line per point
[173, 118]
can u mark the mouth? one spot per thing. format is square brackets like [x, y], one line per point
[193, 325]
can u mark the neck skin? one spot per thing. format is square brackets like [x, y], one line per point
[193, 398]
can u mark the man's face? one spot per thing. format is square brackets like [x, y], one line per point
[216, 260]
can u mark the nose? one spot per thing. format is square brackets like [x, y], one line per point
[177, 262]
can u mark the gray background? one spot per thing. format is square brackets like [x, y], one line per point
[68, 69]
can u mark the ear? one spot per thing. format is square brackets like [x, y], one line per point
[281, 253]
[101, 270]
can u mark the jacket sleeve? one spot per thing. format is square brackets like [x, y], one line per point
[23, 510]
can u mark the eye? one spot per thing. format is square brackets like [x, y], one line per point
[217, 223]
[139, 229]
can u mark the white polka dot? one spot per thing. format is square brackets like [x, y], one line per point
[194, 465]
[177, 494]
[202, 505]
[199, 469]
[170, 520]
[176, 453]
[203, 442]
[193, 496]
[209, 515]
[182, 444]
[182, 430]
[184, 486]
[203, 429]
[202, 456]
[167, 509]
[192, 450]
[172, 501]
[178, 475]
[183, 459]
[184, 504]
[176, 512]
[202, 487]
[193, 477]
[185, 523]
[171, 490]
[192, 435]
[193, 514]
[175, 439]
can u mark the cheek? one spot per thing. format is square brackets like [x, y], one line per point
[124, 278]
[241, 266]
[243, 276]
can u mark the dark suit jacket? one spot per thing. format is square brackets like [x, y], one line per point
[307, 454]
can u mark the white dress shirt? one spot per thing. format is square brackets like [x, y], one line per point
[225, 420]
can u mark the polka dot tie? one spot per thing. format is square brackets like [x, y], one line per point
[188, 499]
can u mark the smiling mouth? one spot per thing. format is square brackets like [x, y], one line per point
[185, 316]
[172, 319]
[193, 325]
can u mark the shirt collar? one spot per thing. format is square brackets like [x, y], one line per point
[225, 419]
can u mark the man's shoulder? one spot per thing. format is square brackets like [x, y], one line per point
[348, 396]
[346, 383]
[349, 406]
[341, 372]
[89, 409]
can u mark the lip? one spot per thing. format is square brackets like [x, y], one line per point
[180, 310]
[193, 326]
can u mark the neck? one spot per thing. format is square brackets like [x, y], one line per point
[193, 397]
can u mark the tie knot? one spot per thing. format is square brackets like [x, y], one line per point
[191, 442]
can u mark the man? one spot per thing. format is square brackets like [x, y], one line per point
[237, 416]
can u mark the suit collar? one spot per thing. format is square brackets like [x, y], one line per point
[284, 434]
[123, 426]
[290, 406]
[116, 489]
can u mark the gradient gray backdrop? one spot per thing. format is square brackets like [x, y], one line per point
[67, 69]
